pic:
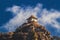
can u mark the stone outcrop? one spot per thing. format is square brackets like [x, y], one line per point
[31, 30]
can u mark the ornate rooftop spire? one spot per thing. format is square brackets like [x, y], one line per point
[32, 18]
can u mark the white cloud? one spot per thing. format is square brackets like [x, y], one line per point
[15, 9]
[20, 16]
[47, 17]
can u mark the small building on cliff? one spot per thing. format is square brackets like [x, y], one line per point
[31, 30]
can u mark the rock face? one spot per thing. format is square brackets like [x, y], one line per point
[31, 30]
[56, 38]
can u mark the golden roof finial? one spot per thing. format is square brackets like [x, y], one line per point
[32, 16]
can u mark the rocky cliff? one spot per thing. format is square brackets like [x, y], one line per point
[31, 30]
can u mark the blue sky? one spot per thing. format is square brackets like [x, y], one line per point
[48, 13]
